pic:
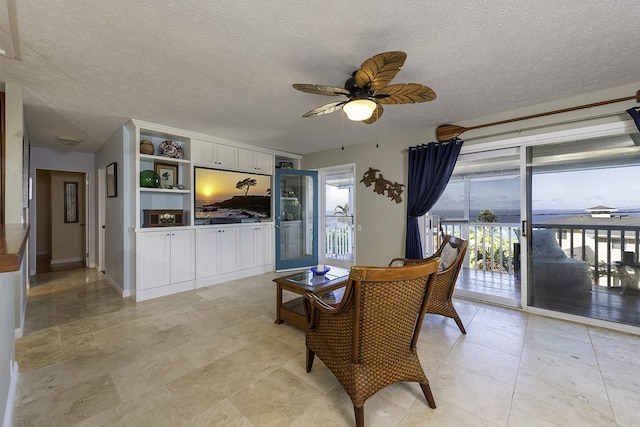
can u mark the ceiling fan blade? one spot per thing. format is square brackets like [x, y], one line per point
[320, 89]
[377, 113]
[405, 93]
[325, 109]
[377, 71]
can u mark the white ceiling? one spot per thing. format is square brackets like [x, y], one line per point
[225, 68]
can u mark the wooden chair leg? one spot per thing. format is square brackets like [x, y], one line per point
[310, 356]
[459, 323]
[426, 390]
[359, 415]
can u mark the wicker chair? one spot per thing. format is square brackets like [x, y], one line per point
[369, 339]
[440, 302]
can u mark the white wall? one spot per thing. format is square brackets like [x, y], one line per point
[7, 338]
[64, 160]
[14, 126]
[383, 222]
[117, 252]
[12, 284]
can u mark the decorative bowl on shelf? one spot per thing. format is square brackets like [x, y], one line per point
[322, 272]
[170, 149]
[149, 178]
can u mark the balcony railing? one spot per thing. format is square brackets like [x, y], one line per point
[492, 245]
[495, 246]
[339, 237]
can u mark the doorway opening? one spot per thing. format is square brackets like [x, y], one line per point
[60, 220]
[337, 239]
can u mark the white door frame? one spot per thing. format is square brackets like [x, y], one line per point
[322, 207]
[102, 177]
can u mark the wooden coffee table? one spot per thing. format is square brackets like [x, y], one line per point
[303, 283]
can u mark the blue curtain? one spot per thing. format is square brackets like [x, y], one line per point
[635, 115]
[430, 168]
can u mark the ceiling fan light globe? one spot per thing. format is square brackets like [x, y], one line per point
[359, 109]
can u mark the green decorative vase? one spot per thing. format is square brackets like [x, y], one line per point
[149, 179]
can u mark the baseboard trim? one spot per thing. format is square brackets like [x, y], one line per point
[65, 261]
[115, 285]
[11, 397]
[19, 332]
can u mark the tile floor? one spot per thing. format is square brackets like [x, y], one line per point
[214, 357]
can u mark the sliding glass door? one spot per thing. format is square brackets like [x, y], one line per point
[584, 228]
[482, 205]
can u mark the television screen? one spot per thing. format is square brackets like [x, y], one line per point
[227, 197]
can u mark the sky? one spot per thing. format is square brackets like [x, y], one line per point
[571, 190]
[216, 186]
[613, 187]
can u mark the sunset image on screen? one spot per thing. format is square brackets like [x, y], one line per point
[226, 195]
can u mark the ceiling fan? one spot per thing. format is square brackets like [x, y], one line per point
[368, 88]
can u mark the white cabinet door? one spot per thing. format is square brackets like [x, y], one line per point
[228, 245]
[265, 245]
[215, 155]
[202, 152]
[264, 163]
[255, 161]
[248, 236]
[226, 156]
[208, 256]
[255, 246]
[153, 254]
[183, 262]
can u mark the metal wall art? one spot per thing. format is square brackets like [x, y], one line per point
[393, 190]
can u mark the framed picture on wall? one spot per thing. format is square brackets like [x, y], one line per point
[168, 174]
[112, 180]
[70, 201]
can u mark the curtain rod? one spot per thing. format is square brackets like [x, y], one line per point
[446, 132]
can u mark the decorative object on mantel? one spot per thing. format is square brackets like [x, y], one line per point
[447, 132]
[170, 149]
[381, 185]
[146, 147]
[149, 179]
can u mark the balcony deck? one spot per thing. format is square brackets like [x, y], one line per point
[609, 304]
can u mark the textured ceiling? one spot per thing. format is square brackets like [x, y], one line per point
[226, 68]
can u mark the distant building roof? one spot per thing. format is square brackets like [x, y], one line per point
[601, 209]
[629, 221]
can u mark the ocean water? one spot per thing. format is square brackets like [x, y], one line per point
[542, 215]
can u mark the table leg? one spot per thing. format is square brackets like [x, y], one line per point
[278, 304]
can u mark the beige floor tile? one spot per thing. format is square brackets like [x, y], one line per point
[212, 383]
[485, 360]
[214, 357]
[567, 373]
[479, 394]
[520, 418]
[149, 372]
[70, 405]
[446, 414]
[154, 408]
[550, 342]
[559, 404]
[224, 414]
[275, 399]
